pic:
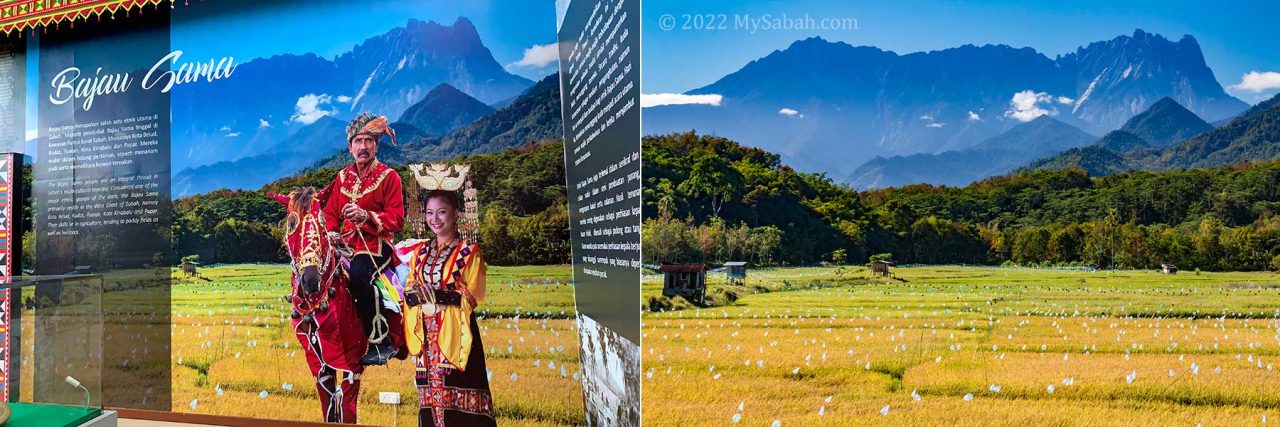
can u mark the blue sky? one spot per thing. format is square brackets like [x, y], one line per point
[1236, 37]
[328, 28]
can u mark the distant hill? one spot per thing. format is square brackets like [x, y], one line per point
[995, 156]
[1094, 160]
[444, 109]
[1121, 141]
[290, 155]
[1252, 136]
[1166, 122]
[532, 116]
[295, 153]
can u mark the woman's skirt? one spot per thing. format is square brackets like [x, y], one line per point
[449, 397]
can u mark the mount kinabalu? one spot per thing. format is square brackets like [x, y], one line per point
[829, 106]
[267, 101]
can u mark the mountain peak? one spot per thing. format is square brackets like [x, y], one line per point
[814, 40]
[404, 63]
[463, 22]
[1044, 120]
[1142, 68]
[444, 89]
[1166, 122]
[461, 30]
[444, 109]
[1165, 102]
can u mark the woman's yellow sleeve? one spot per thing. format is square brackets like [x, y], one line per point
[474, 277]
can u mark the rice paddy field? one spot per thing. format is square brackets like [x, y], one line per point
[234, 351]
[967, 346]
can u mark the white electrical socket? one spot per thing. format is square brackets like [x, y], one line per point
[389, 397]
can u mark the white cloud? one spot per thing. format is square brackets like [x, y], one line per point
[233, 134]
[926, 117]
[790, 112]
[974, 117]
[659, 99]
[1025, 105]
[310, 108]
[262, 123]
[343, 99]
[935, 125]
[538, 56]
[1258, 82]
[225, 129]
[32, 134]
[1065, 101]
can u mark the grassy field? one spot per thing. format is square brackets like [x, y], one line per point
[232, 345]
[968, 346]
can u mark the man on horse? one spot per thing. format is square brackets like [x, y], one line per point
[363, 209]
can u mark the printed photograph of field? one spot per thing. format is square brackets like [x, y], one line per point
[960, 213]
[234, 352]
[967, 346]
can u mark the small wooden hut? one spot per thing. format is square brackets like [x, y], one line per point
[881, 268]
[687, 280]
[735, 271]
[189, 268]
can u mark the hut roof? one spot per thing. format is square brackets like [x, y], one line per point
[735, 264]
[682, 268]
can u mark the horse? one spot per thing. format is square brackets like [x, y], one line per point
[324, 315]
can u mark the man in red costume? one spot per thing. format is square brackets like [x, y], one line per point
[363, 209]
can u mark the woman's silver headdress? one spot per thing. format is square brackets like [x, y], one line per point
[444, 177]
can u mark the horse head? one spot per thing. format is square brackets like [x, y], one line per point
[312, 258]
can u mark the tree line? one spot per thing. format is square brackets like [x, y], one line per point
[523, 212]
[1220, 218]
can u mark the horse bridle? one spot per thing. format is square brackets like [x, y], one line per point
[304, 304]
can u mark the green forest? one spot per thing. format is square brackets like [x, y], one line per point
[709, 199]
[524, 219]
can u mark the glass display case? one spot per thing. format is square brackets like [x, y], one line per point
[51, 350]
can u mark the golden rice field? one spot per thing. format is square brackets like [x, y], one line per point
[970, 346]
[234, 352]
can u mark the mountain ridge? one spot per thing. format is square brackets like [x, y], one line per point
[829, 106]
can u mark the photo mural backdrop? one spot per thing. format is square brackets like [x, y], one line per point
[161, 135]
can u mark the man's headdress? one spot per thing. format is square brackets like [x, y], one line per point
[443, 177]
[372, 125]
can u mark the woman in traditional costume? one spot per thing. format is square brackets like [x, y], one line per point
[444, 282]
